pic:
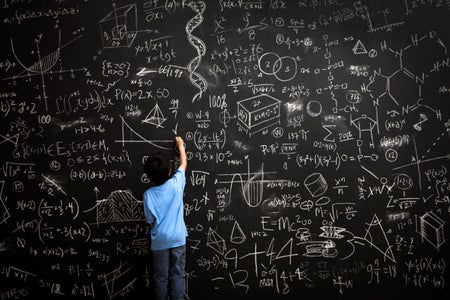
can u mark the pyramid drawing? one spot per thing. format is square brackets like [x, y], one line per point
[215, 241]
[155, 117]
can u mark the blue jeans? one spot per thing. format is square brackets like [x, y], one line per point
[168, 265]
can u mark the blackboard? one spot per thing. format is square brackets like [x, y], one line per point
[317, 135]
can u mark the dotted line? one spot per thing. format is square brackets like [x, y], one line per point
[434, 144]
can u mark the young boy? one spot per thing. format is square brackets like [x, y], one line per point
[163, 209]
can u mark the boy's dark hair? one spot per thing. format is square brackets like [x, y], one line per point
[157, 167]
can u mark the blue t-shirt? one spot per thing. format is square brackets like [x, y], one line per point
[163, 208]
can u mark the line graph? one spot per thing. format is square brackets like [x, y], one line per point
[43, 64]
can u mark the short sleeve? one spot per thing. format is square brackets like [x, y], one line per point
[180, 178]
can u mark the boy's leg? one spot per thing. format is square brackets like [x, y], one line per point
[177, 269]
[161, 273]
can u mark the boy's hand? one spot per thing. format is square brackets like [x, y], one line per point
[179, 141]
[180, 145]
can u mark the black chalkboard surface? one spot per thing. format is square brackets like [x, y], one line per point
[317, 135]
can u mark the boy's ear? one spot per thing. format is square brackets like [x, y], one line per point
[170, 171]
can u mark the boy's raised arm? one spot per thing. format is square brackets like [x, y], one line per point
[180, 145]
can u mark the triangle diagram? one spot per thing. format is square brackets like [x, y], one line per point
[359, 48]
[377, 239]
